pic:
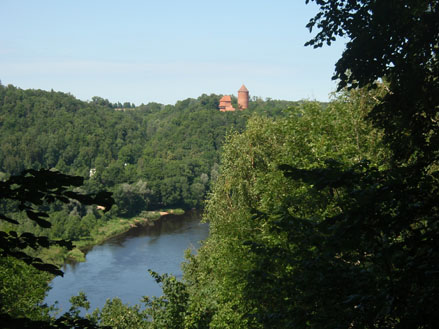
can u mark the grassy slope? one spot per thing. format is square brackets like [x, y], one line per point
[114, 227]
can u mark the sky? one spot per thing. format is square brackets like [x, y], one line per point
[163, 51]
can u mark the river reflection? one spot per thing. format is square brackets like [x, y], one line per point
[119, 267]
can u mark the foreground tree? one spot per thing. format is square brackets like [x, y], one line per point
[372, 262]
[343, 239]
[22, 290]
[244, 273]
[397, 41]
[31, 192]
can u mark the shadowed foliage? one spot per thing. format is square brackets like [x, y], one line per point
[32, 189]
[29, 192]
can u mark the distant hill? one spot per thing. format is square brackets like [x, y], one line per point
[173, 150]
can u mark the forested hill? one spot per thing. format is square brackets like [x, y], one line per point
[167, 154]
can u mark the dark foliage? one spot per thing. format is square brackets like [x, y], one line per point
[67, 321]
[30, 190]
[173, 149]
[374, 263]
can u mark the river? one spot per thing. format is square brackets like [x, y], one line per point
[119, 267]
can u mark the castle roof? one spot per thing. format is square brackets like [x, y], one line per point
[243, 88]
[226, 98]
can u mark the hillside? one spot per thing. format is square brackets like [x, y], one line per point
[171, 151]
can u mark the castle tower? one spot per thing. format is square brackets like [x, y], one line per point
[243, 98]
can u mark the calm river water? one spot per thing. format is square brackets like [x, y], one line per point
[118, 268]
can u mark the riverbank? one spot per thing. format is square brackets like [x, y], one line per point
[119, 266]
[113, 228]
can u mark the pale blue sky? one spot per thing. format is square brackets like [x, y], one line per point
[164, 50]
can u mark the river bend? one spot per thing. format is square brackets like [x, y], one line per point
[118, 268]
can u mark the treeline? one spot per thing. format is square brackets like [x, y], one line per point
[313, 223]
[244, 270]
[151, 157]
[261, 264]
[327, 217]
[265, 242]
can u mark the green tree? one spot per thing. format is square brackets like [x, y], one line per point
[131, 199]
[29, 192]
[372, 262]
[22, 290]
[115, 314]
[169, 310]
[397, 41]
[244, 273]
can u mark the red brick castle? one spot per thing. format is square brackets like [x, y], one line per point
[225, 103]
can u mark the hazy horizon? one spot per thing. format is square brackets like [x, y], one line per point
[144, 51]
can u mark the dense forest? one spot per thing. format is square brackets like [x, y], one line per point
[168, 154]
[151, 157]
[321, 216]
